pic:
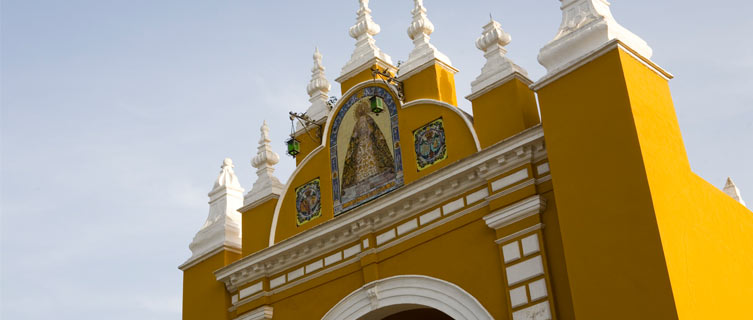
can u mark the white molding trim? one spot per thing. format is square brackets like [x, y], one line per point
[408, 289]
[411, 72]
[452, 181]
[455, 109]
[515, 75]
[593, 55]
[515, 212]
[195, 260]
[519, 233]
[260, 313]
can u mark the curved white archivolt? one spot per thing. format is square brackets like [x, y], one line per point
[409, 290]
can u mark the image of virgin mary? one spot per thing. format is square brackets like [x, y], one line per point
[369, 163]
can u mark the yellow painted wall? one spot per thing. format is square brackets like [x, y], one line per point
[635, 221]
[203, 296]
[460, 144]
[504, 111]
[256, 224]
[707, 236]
[613, 254]
[309, 140]
[435, 82]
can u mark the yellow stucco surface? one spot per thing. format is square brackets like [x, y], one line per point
[504, 111]
[707, 237]
[203, 296]
[635, 221]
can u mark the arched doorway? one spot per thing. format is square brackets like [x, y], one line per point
[406, 312]
[408, 297]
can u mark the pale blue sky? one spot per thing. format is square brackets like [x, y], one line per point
[116, 116]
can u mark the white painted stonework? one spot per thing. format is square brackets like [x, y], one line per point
[535, 312]
[408, 290]
[429, 216]
[530, 244]
[223, 225]
[318, 90]
[453, 206]
[518, 296]
[366, 51]
[586, 26]
[423, 52]
[266, 183]
[537, 289]
[245, 292]
[498, 66]
[514, 212]
[261, 313]
[731, 190]
[525, 270]
[511, 251]
[509, 180]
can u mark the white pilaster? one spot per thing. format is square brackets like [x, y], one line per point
[318, 88]
[498, 66]
[223, 225]
[731, 189]
[266, 183]
[587, 25]
[423, 52]
[366, 51]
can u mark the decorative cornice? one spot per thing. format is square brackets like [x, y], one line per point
[598, 52]
[515, 212]
[378, 214]
[500, 81]
[586, 25]
[498, 66]
[423, 51]
[194, 261]
[366, 51]
[405, 74]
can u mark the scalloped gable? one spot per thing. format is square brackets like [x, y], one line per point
[461, 142]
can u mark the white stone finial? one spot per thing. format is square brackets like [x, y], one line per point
[318, 88]
[222, 228]
[366, 50]
[498, 66]
[731, 189]
[266, 183]
[586, 26]
[423, 51]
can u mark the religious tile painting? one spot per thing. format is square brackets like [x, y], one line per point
[308, 202]
[365, 153]
[429, 143]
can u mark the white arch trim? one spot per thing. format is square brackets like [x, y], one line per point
[409, 289]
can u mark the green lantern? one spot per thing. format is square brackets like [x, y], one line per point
[377, 104]
[294, 147]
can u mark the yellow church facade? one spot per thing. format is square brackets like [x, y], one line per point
[403, 206]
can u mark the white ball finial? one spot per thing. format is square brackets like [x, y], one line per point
[498, 66]
[420, 26]
[265, 157]
[318, 88]
[423, 51]
[264, 161]
[366, 50]
[227, 178]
